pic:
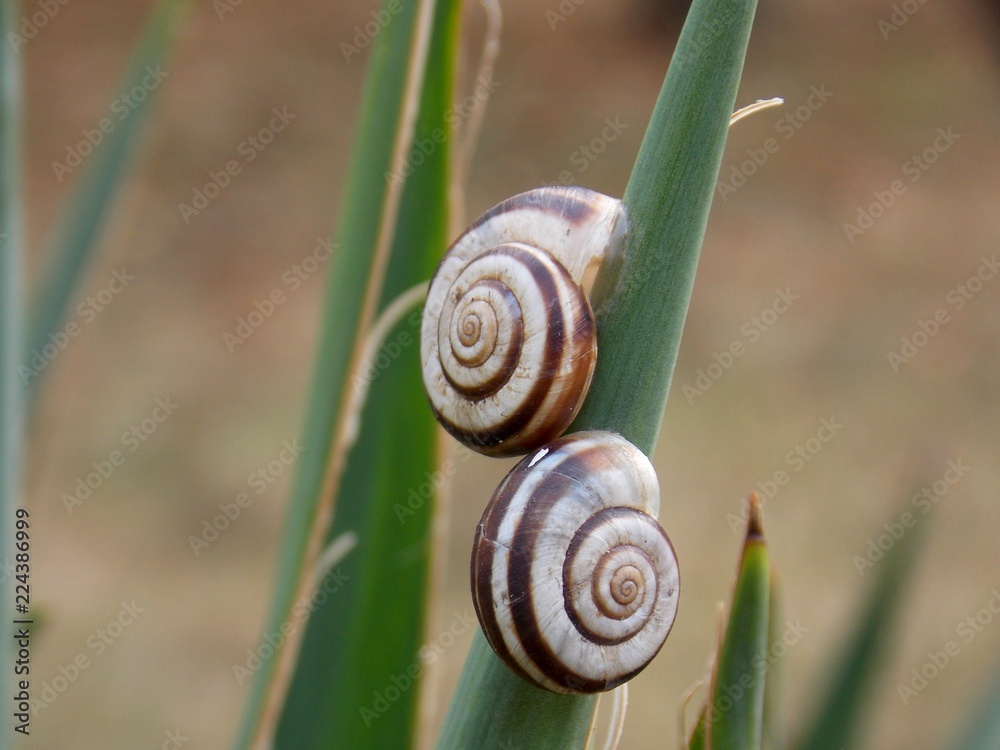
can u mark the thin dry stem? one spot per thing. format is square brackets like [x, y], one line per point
[337, 550]
[682, 719]
[618, 711]
[757, 106]
[392, 314]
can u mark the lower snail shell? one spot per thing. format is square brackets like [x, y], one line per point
[508, 341]
[574, 581]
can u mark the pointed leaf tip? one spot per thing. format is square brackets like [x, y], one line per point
[755, 523]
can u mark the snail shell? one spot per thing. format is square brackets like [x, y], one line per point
[574, 581]
[508, 342]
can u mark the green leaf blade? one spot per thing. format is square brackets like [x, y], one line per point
[737, 707]
[696, 741]
[640, 303]
[366, 634]
[492, 707]
[360, 665]
[774, 715]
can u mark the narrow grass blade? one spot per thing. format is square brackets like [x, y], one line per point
[841, 712]
[641, 304]
[697, 739]
[736, 708]
[332, 665]
[11, 327]
[983, 732]
[102, 175]
[774, 714]
[357, 681]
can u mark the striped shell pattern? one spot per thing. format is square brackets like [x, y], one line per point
[574, 581]
[508, 342]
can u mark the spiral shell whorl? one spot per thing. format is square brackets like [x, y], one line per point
[508, 341]
[574, 581]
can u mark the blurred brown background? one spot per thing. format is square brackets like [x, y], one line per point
[826, 357]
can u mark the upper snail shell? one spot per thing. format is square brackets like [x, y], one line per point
[508, 342]
[574, 581]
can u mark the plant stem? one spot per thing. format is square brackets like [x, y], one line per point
[640, 302]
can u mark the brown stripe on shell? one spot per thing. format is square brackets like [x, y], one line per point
[507, 368]
[482, 599]
[522, 603]
[533, 517]
[556, 418]
[582, 358]
[562, 201]
[482, 568]
[602, 517]
[567, 465]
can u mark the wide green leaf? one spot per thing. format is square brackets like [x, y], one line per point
[103, 169]
[386, 240]
[640, 303]
[359, 668]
